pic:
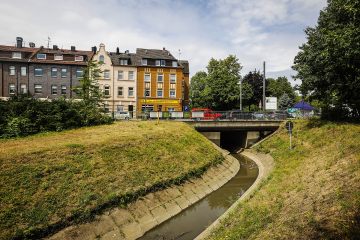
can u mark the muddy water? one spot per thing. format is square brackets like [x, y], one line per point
[197, 217]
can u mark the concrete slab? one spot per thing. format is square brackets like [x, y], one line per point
[131, 230]
[151, 201]
[113, 235]
[163, 195]
[160, 214]
[142, 215]
[182, 202]
[187, 192]
[214, 185]
[121, 216]
[207, 189]
[198, 191]
[147, 222]
[172, 208]
[103, 225]
[173, 192]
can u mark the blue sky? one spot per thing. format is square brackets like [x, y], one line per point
[254, 31]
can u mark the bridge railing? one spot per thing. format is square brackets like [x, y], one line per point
[233, 115]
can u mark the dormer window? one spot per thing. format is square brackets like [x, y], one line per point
[41, 56]
[174, 64]
[16, 55]
[157, 62]
[123, 62]
[144, 62]
[79, 58]
[162, 62]
[58, 57]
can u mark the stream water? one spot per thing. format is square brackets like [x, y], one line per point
[197, 217]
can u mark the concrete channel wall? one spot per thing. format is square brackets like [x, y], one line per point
[266, 164]
[155, 208]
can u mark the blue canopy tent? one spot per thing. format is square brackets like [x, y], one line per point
[304, 109]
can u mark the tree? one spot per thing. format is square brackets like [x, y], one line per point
[89, 87]
[278, 87]
[255, 80]
[218, 89]
[285, 102]
[329, 62]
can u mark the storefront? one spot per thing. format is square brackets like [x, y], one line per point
[161, 104]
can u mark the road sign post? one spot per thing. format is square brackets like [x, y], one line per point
[289, 126]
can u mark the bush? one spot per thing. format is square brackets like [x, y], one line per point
[24, 115]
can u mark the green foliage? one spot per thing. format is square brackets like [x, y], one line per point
[285, 102]
[24, 115]
[218, 89]
[281, 85]
[255, 80]
[328, 64]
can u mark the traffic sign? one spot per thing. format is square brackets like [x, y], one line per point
[186, 108]
[289, 125]
[292, 110]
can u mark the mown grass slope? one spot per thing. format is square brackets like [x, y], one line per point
[62, 178]
[314, 191]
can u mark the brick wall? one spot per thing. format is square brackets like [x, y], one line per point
[11, 79]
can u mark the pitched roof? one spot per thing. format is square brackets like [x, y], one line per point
[16, 49]
[88, 56]
[154, 54]
[115, 58]
[185, 65]
[303, 105]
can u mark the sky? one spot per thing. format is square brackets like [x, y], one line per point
[254, 31]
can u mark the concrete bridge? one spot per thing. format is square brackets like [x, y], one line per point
[240, 133]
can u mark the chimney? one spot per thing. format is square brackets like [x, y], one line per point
[19, 42]
[117, 50]
[55, 47]
[94, 49]
[31, 44]
[73, 48]
[163, 48]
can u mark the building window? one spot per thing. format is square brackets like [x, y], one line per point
[120, 108]
[121, 75]
[63, 72]
[63, 90]
[171, 109]
[54, 72]
[11, 88]
[172, 93]
[12, 70]
[160, 77]
[58, 57]
[53, 89]
[107, 108]
[162, 62]
[144, 62]
[79, 58]
[147, 77]
[147, 92]
[123, 62]
[38, 72]
[131, 92]
[79, 73]
[157, 62]
[174, 64]
[159, 93]
[131, 75]
[107, 90]
[172, 78]
[16, 55]
[120, 91]
[183, 82]
[41, 56]
[23, 71]
[101, 59]
[107, 74]
[22, 88]
[38, 88]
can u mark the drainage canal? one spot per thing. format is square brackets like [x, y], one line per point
[192, 221]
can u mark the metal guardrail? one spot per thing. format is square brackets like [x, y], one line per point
[201, 115]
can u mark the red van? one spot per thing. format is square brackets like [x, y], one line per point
[208, 113]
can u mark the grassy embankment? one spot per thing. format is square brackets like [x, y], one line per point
[55, 179]
[314, 191]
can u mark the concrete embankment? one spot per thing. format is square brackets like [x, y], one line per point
[154, 208]
[265, 164]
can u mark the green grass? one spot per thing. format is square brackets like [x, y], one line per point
[313, 192]
[50, 180]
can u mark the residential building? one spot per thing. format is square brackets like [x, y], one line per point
[160, 81]
[14, 68]
[53, 72]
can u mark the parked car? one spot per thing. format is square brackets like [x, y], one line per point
[257, 115]
[278, 114]
[122, 115]
[238, 114]
[208, 113]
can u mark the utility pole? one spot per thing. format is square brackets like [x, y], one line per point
[264, 93]
[240, 96]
